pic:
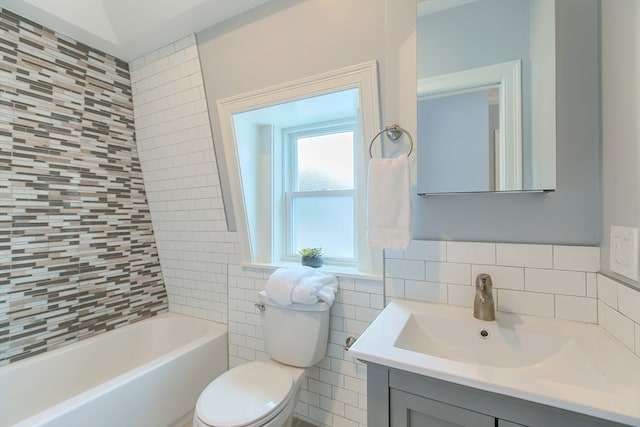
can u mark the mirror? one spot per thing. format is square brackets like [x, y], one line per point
[486, 96]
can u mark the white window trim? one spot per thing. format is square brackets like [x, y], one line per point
[362, 76]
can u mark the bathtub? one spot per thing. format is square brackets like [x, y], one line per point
[149, 373]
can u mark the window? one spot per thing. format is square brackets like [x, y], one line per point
[301, 153]
[320, 193]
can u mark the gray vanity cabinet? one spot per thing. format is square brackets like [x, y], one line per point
[410, 410]
[401, 399]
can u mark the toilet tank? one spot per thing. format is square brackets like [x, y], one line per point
[295, 334]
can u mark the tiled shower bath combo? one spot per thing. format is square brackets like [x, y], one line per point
[77, 250]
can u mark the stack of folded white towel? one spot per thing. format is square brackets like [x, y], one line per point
[301, 285]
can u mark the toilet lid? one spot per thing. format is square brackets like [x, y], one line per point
[244, 395]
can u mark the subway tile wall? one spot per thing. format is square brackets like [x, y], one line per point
[619, 311]
[181, 178]
[77, 252]
[541, 280]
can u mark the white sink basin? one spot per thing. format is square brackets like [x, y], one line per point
[569, 365]
[478, 342]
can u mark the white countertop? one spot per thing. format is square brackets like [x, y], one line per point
[592, 374]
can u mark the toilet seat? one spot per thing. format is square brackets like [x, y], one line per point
[246, 395]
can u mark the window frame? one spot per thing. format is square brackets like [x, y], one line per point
[291, 192]
[257, 252]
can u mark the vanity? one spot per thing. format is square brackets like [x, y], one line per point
[435, 365]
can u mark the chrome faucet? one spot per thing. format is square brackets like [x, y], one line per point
[483, 307]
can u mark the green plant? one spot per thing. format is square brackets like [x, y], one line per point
[311, 252]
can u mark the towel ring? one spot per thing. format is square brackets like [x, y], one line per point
[393, 132]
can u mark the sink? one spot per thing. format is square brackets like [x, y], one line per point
[477, 341]
[569, 365]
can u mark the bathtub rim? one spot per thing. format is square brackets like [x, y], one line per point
[215, 331]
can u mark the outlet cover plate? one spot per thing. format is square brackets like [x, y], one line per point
[623, 257]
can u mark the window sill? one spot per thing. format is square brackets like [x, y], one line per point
[336, 270]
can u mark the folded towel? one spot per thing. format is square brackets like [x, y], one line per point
[301, 285]
[389, 203]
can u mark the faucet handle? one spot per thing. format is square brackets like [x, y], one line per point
[483, 282]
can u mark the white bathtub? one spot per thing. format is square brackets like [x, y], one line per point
[146, 374]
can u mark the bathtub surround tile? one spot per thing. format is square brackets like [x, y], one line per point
[78, 250]
[181, 177]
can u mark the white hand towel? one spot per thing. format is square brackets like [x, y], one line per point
[389, 203]
[280, 285]
[301, 285]
[314, 288]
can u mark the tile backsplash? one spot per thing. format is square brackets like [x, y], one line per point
[540, 280]
[77, 251]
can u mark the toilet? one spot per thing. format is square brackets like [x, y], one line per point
[264, 393]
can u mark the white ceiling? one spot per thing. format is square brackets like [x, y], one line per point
[128, 29]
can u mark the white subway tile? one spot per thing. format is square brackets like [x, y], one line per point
[608, 291]
[355, 298]
[405, 269]
[524, 255]
[556, 282]
[577, 258]
[445, 272]
[461, 295]
[531, 303]
[394, 287]
[338, 421]
[369, 286]
[427, 250]
[501, 277]
[471, 252]
[356, 414]
[345, 396]
[629, 302]
[580, 309]
[426, 291]
[618, 325]
[366, 314]
[592, 285]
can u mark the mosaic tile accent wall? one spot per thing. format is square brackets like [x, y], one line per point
[77, 250]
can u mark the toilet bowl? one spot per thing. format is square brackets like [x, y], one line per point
[264, 393]
[250, 395]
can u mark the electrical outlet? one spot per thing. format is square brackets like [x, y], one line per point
[623, 257]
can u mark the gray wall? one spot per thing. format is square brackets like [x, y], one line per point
[249, 53]
[571, 214]
[620, 118]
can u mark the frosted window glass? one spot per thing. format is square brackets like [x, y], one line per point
[325, 162]
[325, 222]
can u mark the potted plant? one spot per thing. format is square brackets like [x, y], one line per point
[311, 257]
